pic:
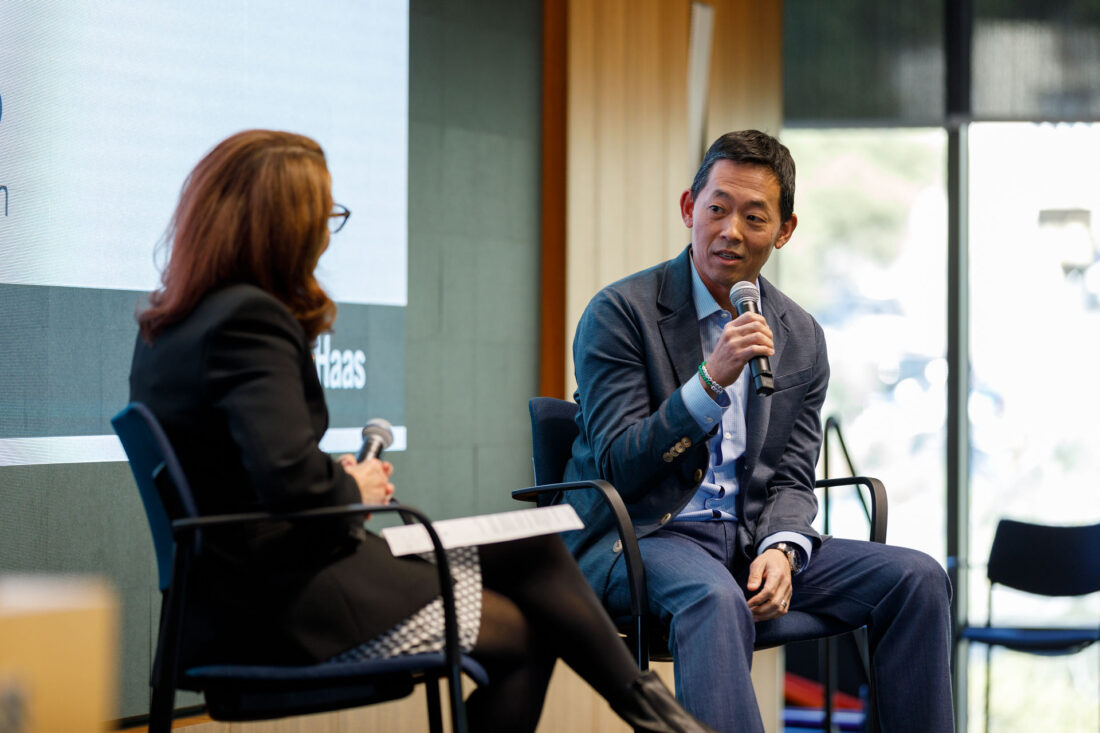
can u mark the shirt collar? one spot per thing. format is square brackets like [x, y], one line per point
[705, 304]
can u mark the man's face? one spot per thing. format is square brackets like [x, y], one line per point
[734, 225]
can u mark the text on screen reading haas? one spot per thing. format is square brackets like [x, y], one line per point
[339, 369]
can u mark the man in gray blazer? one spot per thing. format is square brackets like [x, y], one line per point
[719, 480]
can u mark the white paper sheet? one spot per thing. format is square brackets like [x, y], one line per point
[483, 529]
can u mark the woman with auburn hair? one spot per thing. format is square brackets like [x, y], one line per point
[254, 210]
[223, 360]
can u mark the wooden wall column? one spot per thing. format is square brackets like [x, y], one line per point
[615, 141]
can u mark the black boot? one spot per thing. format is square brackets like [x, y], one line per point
[649, 706]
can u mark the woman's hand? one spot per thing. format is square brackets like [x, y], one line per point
[372, 476]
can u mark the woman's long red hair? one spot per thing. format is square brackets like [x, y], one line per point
[254, 210]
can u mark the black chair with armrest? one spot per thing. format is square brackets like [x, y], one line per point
[553, 430]
[235, 692]
[1041, 560]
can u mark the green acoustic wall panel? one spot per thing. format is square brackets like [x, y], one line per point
[87, 518]
[472, 317]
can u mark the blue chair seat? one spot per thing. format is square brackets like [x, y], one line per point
[793, 627]
[260, 674]
[1033, 640]
[250, 692]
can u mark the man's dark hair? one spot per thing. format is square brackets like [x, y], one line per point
[752, 146]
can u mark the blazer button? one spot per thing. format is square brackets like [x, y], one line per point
[685, 442]
[618, 546]
[665, 518]
[668, 457]
[698, 475]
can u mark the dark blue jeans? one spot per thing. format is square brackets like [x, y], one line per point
[696, 589]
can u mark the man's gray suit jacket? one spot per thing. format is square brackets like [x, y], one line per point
[636, 344]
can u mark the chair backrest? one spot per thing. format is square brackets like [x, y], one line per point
[553, 430]
[1049, 561]
[165, 492]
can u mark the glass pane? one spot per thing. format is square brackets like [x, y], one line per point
[868, 259]
[1036, 59]
[1034, 404]
[863, 60]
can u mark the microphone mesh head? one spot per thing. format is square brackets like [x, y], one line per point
[379, 428]
[743, 291]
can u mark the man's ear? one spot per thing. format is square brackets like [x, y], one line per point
[786, 229]
[687, 208]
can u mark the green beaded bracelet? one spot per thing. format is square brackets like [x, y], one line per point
[711, 384]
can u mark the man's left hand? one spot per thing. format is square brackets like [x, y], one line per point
[770, 577]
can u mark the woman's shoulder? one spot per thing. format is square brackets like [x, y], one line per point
[242, 303]
[240, 295]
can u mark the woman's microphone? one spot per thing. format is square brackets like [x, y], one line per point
[377, 436]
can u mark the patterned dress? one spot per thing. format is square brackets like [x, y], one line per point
[423, 631]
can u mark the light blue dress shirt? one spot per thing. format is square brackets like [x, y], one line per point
[716, 497]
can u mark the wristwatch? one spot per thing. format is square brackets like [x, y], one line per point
[794, 557]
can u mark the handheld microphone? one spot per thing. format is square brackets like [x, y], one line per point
[377, 436]
[746, 299]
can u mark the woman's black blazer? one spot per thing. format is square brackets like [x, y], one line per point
[235, 387]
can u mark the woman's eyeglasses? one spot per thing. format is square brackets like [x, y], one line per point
[338, 218]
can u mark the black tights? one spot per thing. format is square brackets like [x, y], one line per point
[536, 607]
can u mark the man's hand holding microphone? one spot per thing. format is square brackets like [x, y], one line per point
[746, 339]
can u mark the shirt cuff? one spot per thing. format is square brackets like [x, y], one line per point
[707, 411]
[794, 538]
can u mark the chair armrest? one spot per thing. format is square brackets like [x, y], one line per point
[879, 506]
[190, 524]
[635, 570]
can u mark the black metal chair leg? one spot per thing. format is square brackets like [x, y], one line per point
[160, 709]
[435, 718]
[863, 648]
[829, 663]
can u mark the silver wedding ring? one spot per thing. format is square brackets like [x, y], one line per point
[783, 604]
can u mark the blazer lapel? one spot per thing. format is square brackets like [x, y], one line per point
[679, 325]
[759, 408]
